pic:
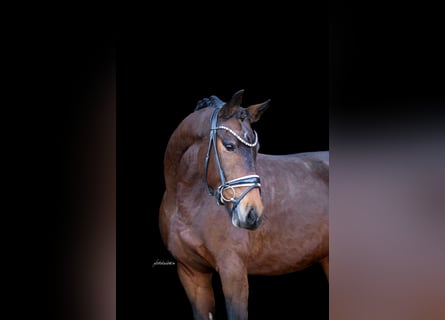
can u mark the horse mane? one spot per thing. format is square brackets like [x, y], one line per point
[212, 101]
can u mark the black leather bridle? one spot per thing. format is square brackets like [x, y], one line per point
[250, 181]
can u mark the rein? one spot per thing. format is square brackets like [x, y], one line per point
[250, 181]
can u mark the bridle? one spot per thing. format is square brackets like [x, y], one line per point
[250, 181]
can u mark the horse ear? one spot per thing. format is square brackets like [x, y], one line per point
[230, 107]
[256, 110]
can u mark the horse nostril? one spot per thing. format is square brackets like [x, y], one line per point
[252, 216]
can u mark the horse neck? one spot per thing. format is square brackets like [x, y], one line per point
[185, 147]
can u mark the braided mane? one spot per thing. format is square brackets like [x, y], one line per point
[212, 101]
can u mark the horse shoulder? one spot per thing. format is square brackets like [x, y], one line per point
[191, 241]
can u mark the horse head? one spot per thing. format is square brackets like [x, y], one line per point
[230, 160]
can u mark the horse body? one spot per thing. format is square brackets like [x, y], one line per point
[201, 237]
[295, 232]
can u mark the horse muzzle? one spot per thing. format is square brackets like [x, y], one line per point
[245, 209]
[248, 218]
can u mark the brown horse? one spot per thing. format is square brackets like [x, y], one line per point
[270, 215]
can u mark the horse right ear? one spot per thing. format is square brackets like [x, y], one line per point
[256, 110]
[229, 108]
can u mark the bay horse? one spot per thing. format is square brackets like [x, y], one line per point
[230, 209]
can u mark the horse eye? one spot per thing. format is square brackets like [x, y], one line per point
[229, 147]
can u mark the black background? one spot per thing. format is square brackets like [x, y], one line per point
[160, 78]
[356, 69]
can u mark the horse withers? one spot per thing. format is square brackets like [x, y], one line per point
[229, 209]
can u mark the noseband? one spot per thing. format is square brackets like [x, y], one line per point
[250, 181]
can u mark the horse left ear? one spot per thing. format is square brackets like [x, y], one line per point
[229, 108]
[256, 110]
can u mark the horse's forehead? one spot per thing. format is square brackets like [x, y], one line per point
[239, 121]
[241, 114]
[241, 127]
